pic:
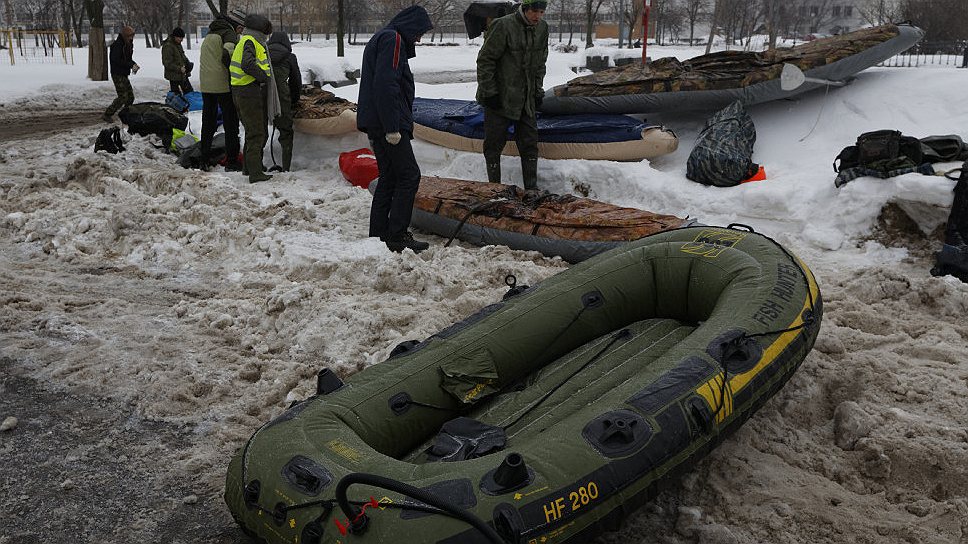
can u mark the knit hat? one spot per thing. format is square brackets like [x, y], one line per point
[178, 32]
[534, 4]
[258, 23]
[236, 17]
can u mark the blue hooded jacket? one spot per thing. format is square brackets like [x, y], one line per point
[385, 103]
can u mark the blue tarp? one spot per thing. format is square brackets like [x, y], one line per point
[466, 118]
[194, 99]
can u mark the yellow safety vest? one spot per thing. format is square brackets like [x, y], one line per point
[239, 77]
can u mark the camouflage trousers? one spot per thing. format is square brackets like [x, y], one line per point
[125, 94]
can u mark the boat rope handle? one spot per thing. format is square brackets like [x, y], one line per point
[360, 520]
[807, 320]
[480, 207]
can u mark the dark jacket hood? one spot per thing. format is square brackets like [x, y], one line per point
[411, 23]
[225, 30]
[279, 47]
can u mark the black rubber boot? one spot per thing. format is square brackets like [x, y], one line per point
[494, 171]
[403, 241]
[529, 172]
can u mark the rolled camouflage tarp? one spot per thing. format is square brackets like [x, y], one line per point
[714, 81]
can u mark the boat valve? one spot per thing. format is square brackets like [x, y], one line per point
[512, 472]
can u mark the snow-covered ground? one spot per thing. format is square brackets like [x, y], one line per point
[203, 304]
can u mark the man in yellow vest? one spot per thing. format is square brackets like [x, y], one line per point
[255, 97]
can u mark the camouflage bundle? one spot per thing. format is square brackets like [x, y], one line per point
[724, 149]
[725, 69]
[315, 103]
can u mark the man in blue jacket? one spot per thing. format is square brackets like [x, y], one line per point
[385, 113]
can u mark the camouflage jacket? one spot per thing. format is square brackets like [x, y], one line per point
[174, 60]
[511, 64]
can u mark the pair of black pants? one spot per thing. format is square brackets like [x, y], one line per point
[211, 103]
[181, 87]
[397, 187]
[526, 137]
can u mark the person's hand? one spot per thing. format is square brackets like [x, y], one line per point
[393, 138]
[492, 102]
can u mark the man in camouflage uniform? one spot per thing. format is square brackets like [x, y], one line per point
[510, 76]
[122, 65]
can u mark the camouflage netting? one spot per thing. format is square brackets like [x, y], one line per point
[315, 103]
[512, 209]
[723, 70]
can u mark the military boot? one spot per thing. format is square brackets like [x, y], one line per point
[529, 173]
[399, 242]
[494, 171]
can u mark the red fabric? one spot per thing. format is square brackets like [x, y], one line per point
[396, 53]
[760, 175]
[359, 167]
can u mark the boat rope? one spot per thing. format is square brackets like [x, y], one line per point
[620, 335]
[509, 195]
[478, 208]
[806, 322]
[823, 101]
[359, 522]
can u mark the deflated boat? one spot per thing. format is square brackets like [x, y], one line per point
[459, 124]
[711, 82]
[547, 416]
[565, 226]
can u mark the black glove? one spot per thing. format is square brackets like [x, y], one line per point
[538, 99]
[492, 102]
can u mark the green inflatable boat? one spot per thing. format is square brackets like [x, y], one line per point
[546, 417]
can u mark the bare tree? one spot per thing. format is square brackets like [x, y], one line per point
[693, 10]
[941, 20]
[97, 58]
[879, 12]
[591, 13]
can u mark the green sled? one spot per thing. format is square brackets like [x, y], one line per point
[547, 417]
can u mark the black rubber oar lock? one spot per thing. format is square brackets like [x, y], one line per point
[510, 475]
[327, 381]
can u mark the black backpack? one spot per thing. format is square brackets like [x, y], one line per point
[953, 257]
[146, 118]
[877, 148]
[109, 140]
[192, 157]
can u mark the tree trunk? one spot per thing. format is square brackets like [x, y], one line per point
[712, 26]
[211, 7]
[589, 21]
[97, 58]
[340, 28]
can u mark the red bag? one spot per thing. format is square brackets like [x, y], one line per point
[359, 167]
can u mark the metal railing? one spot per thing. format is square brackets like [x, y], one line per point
[35, 47]
[951, 53]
